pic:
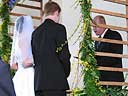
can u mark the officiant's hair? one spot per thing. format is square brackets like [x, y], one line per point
[101, 18]
[50, 7]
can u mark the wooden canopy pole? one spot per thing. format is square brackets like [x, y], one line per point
[41, 10]
[127, 21]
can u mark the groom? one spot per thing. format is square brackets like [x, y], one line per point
[6, 84]
[52, 66]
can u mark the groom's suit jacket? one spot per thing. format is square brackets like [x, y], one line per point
[110, 61]
[52, 67]
[6, 84]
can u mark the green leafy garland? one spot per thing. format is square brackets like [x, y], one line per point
[5, 40]
[86, 55]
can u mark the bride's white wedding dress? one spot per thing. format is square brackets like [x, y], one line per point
[21, 49]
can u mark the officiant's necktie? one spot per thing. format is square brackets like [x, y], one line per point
[97, 43]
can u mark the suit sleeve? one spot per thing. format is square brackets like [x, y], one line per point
[63, 54]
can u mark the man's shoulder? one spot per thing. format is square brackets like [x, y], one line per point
[37, 29]
[113, 31]
[60, 26]
[114, 34]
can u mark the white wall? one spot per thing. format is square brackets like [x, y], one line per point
[70, 18]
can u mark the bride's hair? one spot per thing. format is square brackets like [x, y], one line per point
[19, 24]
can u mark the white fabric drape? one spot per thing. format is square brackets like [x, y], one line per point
[21, 50]
[22, 34]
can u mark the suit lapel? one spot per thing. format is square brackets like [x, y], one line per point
[102, 44]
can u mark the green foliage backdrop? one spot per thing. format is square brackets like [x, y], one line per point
[5, 40]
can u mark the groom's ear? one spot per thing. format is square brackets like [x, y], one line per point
[56, 13]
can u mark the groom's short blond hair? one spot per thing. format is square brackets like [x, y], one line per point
[50, 7]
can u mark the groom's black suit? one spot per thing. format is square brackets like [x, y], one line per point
[51, 68]
[110, 61]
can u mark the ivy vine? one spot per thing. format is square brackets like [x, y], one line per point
[5, 40]
[87, 55]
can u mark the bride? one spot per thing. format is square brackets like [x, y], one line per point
[21, 57]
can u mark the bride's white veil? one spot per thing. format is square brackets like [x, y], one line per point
[23, 29]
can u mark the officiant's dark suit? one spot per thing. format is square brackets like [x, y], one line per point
[109, 48]
[110, 61]
[6, 84]
[52, 66]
